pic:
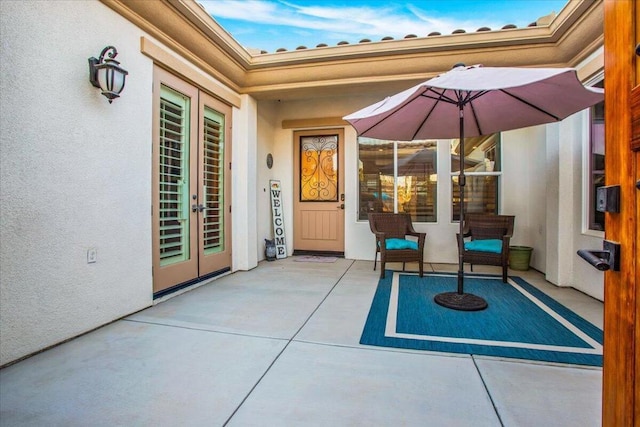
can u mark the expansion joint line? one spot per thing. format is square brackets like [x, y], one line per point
[287, 345]
[487, 390]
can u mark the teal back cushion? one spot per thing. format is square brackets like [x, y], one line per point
[486, 245]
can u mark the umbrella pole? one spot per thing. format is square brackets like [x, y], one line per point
[459, 300]
[461, 185]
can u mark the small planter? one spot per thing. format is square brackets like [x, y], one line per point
[519, 257]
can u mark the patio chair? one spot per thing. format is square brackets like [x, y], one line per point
[489, 243]
[391, 232]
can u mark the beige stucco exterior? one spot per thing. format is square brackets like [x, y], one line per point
[76, 171]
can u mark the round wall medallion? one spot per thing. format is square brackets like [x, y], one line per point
[269, 160]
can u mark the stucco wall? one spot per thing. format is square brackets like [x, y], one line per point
[75, 175]
[244, 185]
[266, 121]
[523, 189]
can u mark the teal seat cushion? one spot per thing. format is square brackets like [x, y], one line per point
[400, 244]
[485, 245]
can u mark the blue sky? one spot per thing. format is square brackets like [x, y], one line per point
[272, 24]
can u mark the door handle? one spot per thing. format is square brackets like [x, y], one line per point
[197, 208]
[598, 259]
[606, 259]
[341, 206]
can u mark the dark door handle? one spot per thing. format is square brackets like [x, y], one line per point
[606, 259]
[598, 259]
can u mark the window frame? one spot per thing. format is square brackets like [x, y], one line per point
[430, 144]
[588, 196]
[498, 174]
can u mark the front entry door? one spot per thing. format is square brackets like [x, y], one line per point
[621, 368]
[319, 191]
[191, 183]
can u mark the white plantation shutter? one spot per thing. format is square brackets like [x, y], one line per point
[213, 182]
[174, 177]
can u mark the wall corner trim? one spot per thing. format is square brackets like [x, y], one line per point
[168, 60]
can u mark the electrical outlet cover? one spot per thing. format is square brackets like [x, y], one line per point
[92, 255]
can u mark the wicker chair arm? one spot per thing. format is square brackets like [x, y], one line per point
[379, 235]
[421, 239]
[380, 241]
[412, 232]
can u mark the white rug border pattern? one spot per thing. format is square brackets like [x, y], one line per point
[392, 315]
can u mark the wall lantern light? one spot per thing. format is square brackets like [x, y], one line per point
[107, 74]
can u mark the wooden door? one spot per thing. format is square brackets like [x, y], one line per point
[319, 191]
[191, 184]
[621, 371]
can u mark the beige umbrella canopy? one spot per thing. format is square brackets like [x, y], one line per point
[475, 101]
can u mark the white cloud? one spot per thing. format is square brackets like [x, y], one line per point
[248, 10]
[367, 21]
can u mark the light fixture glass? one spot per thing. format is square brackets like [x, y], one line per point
[107, 74]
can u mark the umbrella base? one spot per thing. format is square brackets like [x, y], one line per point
[462, 302]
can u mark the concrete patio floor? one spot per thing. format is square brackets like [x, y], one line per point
[279, 346]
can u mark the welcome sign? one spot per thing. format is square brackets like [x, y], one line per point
[278, 219]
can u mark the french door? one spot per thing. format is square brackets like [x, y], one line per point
[191, 183]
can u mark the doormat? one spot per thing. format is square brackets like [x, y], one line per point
[521, 321]
[315, 258]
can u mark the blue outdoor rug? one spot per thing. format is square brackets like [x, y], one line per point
[521, 321]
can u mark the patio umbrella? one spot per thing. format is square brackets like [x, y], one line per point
[474, 101]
